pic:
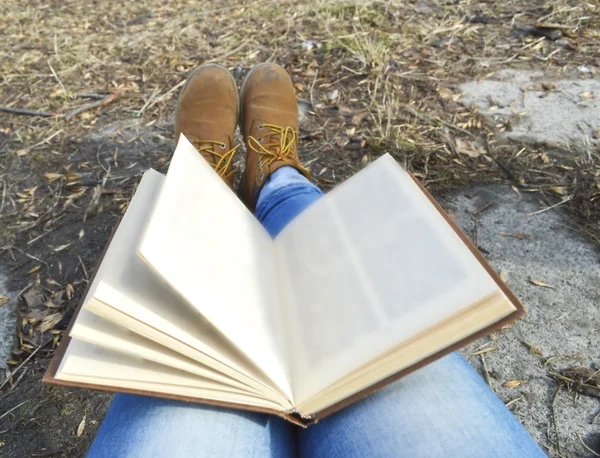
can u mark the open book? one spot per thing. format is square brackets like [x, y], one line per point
[194, 300]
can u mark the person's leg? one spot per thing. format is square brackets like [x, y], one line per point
[145, 427]
[285, 195]
[442, 410]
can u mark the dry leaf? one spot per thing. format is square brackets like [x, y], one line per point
[532, 348]
[504, 276]
[560, 190]
[445, 93]
[586, 95]
[62, 247]
[33, 298]
[358, 117]
[81, 427]
[541, 284]
[35, 269]
[514, 383]
[50, 321]
[471, 149]
[3, 299]
[81, 233]
[69, 290]
[53, 176]
[342, 141]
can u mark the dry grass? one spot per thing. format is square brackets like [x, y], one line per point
[400, 61]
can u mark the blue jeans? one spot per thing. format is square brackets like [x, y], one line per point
[442, 410]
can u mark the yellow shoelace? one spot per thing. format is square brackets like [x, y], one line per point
[223, 162]
[282, 150]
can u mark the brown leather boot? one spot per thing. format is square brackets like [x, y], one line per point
[207, 115]
[269, 124]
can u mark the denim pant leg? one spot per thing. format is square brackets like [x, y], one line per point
[147, 427]
[285, 195]
[444, 410]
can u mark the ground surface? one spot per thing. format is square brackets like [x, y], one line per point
[372, 76]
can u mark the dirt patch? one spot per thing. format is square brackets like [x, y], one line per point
[46, 421]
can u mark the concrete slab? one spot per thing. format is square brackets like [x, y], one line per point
[539, 108]
[563, 320]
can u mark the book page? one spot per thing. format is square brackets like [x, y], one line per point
[206, 244]
[148, 305]
[87, 363]
[96, 330]
[367, 267]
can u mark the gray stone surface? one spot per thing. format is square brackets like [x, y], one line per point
[7, 322]
[562, 321]
[540, 108]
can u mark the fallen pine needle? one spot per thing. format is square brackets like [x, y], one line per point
[585, 445]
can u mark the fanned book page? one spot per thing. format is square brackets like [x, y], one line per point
[193, 300]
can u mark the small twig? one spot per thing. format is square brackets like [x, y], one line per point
[45, 140]
[84, 269]
[515, 400]
[565, 200]
[428, 119]
[24, 112]
[30, 256]
[484, 208]
[485, 371]
[162, 97]
[585, 445]
[3, 196]
[57, 78]
[89, 106]
[11, 375]
[14, 408]
[312, 86]
[39, 237]
[14, 385]
[92, 95]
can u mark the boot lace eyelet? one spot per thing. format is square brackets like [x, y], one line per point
[260, 127]
[260, 139]
[223, 145]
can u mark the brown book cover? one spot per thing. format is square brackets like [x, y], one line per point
[49, 376]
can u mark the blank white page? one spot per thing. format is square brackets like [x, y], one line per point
[96, 330]
[207, 245]
[365, 268]
[126, 283]
[87, 363]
